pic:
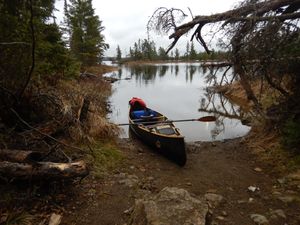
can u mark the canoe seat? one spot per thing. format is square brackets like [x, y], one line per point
[165, 129]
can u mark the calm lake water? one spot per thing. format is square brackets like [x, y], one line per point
[179, 91]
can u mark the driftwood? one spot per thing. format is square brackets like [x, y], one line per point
[43, 170]
[19, 155]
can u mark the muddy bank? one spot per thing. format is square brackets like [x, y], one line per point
[225, 169]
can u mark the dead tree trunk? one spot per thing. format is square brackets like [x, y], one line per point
[19, 155]
[43, 170]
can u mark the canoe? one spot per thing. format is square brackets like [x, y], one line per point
[162, 136]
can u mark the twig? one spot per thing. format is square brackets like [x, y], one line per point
[46, 135]
[15, 43]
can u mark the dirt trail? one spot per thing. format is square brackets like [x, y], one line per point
[225, 168]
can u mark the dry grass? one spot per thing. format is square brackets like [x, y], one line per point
[95, 126]
[267, 146]
[263, 140]
[101, 69]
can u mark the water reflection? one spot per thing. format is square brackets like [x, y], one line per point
[179, 91]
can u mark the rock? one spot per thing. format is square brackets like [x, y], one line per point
[55, 219]
[250, 200]
[221, 218]
[224, 213]
[278, 213]
[253, 188]
[288, 198]
[214, 200]
[130, 181]
[171, 206]
[257, 169]
[294, 176]
[242, 201]
[281, 181]
[259, 219]
[128, 211]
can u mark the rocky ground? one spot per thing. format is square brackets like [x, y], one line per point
[222, 183]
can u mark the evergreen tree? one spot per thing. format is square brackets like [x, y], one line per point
[37, 44]
[162, 53]
[86, 38]
[119, 53]
[187, 53]
[177, 54]
[193, 53]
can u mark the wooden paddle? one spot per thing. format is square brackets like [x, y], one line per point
[201, 119]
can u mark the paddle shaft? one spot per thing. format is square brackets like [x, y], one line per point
[201, 119]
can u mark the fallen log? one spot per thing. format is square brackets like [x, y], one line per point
[19, 155]
[43, 170]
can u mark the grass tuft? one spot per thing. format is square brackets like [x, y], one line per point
[104, 157]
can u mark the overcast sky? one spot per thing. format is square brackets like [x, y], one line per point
[125, 20]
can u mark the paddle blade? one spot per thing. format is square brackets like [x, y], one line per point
[207, 119]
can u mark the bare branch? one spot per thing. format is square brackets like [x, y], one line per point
[253, 12]
[15, 43]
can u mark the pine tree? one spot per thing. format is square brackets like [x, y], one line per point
[119, 53]
[162, 53]
[177, 54]
[86, 39]
[33, 40]
[193, 53]
[187, 53]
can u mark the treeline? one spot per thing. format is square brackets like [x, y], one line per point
[33, 45]
[147, 50]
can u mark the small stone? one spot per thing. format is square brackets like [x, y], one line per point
[257, 169]
[251, 200]
[221, 218]
[294, 176]
[241, 201]
[142, 169]
[277, 193]
[287, 199]
[278, 213]
[189, 184]
[224, 213]
[55, 219]
[128, 211]
[214, 200]
[253, 188]
[281, 181]
[259, 219]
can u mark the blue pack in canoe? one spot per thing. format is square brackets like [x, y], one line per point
[151, 127]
